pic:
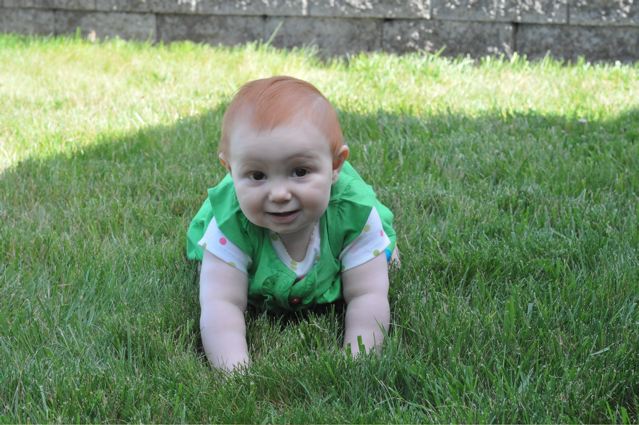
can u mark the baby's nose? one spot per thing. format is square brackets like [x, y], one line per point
[280, 194]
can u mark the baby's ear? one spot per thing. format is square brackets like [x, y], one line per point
[223, 161]
[338, 161]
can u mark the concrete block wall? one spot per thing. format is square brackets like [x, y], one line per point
[599, 30]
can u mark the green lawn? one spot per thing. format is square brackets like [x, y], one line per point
[515, 186]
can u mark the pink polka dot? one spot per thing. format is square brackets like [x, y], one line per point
[223, 241]
[381, 233]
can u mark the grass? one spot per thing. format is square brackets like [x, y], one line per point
[515, 186]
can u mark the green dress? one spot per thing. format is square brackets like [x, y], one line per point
[272, 285]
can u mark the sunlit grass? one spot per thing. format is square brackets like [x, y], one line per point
[515, 186]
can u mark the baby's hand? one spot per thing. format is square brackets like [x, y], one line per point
[223, 299]
[368, 311]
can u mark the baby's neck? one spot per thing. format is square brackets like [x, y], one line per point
[296, 243]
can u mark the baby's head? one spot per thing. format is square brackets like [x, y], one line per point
[277, 101]
[282, 143]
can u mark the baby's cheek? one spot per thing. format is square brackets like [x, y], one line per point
[318, 198]
[249, 206]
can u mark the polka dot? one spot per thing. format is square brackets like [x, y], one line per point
[367, 228]
[223, 241]
[376, 252]
[381, 233]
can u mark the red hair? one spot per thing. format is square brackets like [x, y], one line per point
[272, 102]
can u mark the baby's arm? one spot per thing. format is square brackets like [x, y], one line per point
[367, 312]
[223, 297]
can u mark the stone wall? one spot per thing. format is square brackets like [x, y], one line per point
[598, 30]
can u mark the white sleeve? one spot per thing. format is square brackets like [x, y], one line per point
[215, 242]
[371, 242]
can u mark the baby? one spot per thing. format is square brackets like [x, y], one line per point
[292, 225]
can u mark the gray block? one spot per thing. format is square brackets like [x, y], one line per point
[21, 3]
[539, 11]
[226, 30]
[124, 5]
[53, 4]
[370, 8]
[73, 4]
[232, 7]
[129, 26]
[551, 11]
[604, 12]
[18, 3]
[332, 36]
[570, 42]
[475, 39]
[27, 21]
[465, 10]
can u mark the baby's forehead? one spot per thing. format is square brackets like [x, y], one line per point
[248, 127]
[294, 139]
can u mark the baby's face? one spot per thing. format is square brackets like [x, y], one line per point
[282, 177]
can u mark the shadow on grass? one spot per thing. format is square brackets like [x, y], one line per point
[483, 204]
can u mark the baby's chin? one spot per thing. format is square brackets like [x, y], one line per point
[279, 229]
[284, 230]
[299, 224]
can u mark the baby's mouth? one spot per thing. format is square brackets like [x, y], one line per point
[284, 217]
[284, 214]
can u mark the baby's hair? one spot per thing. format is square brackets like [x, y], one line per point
[270, 102]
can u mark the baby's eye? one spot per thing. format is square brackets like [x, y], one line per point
[300, 172]
[257, 175]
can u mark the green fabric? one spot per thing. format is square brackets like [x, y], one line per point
[272, 284]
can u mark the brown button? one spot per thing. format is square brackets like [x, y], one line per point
[295, 301]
